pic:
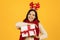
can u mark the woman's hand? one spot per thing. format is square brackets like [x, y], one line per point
[37, 36]
[36, 25]
[29, 24]
[19, 28]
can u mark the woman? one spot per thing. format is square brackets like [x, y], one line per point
[32, 17]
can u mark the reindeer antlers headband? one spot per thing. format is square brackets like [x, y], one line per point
[34, 6]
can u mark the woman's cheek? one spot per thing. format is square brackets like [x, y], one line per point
[33, 17]
[29, 17]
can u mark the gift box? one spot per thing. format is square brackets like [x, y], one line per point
[27, 30]
[20, 24]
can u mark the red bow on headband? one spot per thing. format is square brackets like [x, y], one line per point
[34, 6]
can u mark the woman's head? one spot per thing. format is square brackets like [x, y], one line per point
[31, 15]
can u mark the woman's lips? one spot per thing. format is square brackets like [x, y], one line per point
[30, 18]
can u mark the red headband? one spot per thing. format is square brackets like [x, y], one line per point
[34, 6]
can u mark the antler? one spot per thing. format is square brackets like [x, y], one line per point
[31, 5]
[34, 6]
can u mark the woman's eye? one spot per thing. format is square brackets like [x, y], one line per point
[29, 14]
[33, 15]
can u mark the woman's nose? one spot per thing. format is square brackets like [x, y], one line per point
[31, 15]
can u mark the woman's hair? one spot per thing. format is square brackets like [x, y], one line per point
[36, 17]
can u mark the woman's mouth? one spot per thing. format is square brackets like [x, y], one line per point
[30, 18]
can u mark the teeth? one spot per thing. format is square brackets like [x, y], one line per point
[30, 18]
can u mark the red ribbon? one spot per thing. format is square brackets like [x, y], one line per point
[28, 31]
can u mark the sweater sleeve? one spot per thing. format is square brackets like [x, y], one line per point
[43, 32]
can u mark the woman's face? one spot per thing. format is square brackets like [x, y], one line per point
[31, 16]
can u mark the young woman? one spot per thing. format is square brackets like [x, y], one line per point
[32, 17]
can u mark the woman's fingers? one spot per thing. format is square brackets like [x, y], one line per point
[19, 28]
[36, 26]
[37, 36]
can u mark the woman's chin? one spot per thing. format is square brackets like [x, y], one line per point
[30, 20]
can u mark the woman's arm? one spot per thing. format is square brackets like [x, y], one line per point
[43, 32]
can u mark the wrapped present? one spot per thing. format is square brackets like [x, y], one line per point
[20, 24]
[27, 30]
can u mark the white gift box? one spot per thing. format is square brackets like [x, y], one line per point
[26, 30]
[20, 24]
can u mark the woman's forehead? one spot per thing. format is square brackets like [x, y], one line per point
[32, 12]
